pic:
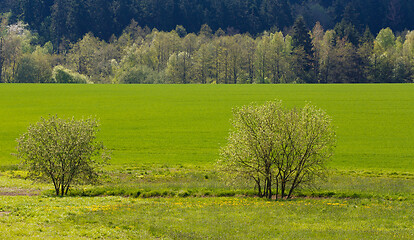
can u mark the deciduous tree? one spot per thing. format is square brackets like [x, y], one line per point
[276, 148]
[263, 58]
[64, 151]
[204, 63]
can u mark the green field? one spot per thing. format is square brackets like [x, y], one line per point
[162, 183]
[187, 124]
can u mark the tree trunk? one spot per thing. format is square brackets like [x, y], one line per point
[67, 189]
[277, 188]
[57, 189]
[259, 188]
[235, 72]
[251, 71]
[263, 70]
[269, 188]
[62, 189]
[184, 70]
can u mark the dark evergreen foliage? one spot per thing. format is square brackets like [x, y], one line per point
[55, 20]
[303, 61]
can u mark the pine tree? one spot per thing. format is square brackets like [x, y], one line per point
[303, 52]
[346, 30]
[301, 37]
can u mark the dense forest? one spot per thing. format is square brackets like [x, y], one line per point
[70, 20]
[209, 41]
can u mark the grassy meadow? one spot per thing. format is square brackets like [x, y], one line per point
[165, 141]
[204, 218]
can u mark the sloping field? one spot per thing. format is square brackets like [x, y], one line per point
[187, 124]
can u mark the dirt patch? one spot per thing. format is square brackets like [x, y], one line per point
[7, 191]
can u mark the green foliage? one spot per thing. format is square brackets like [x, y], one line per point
[203, 63]
[181, 31]
[64, 151]
[345, 30]
[342, 65]
[275, 147]
[178, 68]
[138, 74]
[385, 40]
[32, 69]
[93, 58]
[303, 53]
[301, 37]
[64, 75]
[52, 21]
[206, 31]
[143, 56]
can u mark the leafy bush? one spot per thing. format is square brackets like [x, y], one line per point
[63, 75]
[33, 70]
[138, 74]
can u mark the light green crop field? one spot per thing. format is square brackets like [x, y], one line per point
[187, 124]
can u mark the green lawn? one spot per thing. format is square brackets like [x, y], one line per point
[187, 124]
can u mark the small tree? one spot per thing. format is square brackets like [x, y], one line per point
[277, 148]
[64, 151]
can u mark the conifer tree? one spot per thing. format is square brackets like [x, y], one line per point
[303, 52]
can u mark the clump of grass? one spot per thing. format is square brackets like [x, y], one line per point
[13, 167]
[226, 193]
[149, 194]
[184, 193]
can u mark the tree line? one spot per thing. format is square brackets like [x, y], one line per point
[142, 55]
[58, 20]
